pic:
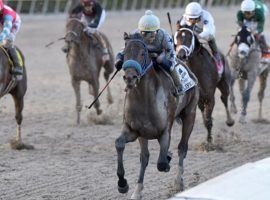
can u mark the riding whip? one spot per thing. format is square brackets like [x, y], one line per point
[170, 22]
[107, 84]
[51, 43]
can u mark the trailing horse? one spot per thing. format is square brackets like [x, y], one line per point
[149, 112]
[10, 85]
[245, 59]
[84, 59]
[201, 63]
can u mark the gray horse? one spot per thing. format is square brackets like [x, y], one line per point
[149, 112]
[85, 61]
[9, 85]
[244, 60]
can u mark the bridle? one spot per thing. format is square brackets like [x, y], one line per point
[190, 49]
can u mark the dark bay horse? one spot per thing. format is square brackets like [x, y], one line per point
[9, 85]
[85, 61]
[244, 60]
[201, 63]
[149, 112]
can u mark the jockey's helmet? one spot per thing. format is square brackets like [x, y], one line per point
[248, 8]
[193, 11]
[149, 22]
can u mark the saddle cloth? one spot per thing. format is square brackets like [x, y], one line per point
[186, 81]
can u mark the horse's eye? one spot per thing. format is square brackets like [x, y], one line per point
[134, 76]
[124, 77]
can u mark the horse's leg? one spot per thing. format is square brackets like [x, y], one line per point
[17, 142]
[263, 79]
[188, 119]
[224, 88]
[126, 136]
[208, 121]
[76, 86]
[107, 72]
[246, 95]
[144, 158]
[95, 85]
[232, 96]
[164, 141]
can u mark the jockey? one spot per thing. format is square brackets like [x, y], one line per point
[252, 15]
[160, 42]
[93, 15]
[11, 23]
[204, 28]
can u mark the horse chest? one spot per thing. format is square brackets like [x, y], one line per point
[150, 115]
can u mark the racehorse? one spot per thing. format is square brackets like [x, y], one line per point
[149, 112]
[201, 63]
[245, 59]
[10, 85]
[85, 61]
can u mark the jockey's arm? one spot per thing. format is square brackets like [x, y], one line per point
[240, 18]
[169, 61]
[260, 20]
[7, 26]
[208, 27]
[95, 22]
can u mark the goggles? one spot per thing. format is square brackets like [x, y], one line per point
[248, 13]
[148, 34]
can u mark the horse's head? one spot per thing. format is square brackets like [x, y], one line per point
[74, 30]
[185, 42]
[244, 41]
[136, 59]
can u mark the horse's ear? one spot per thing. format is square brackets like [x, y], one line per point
[126, 36]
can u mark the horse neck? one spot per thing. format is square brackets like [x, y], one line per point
[148, 87]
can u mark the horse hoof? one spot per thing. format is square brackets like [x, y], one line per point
[163, 167]
[123, 186]
[99, 112]
[230, 122]
[14, 144]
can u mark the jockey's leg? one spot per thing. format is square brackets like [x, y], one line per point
[218, 58]
[103, 43]
[161, 59]
[176, 80]
[17, 69]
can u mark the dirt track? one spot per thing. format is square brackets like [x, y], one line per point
[79, 162]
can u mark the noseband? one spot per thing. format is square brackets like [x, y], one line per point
[190, 49]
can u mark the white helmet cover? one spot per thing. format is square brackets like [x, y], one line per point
[149, 22]
[193, 10]
[247, 6]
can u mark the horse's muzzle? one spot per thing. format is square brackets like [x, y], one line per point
[131, 81]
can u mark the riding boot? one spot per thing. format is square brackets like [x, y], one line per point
[217, 56]
[102, 41]
[176, 81]
[17, 69]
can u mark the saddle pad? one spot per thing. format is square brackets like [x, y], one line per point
[186, 81]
